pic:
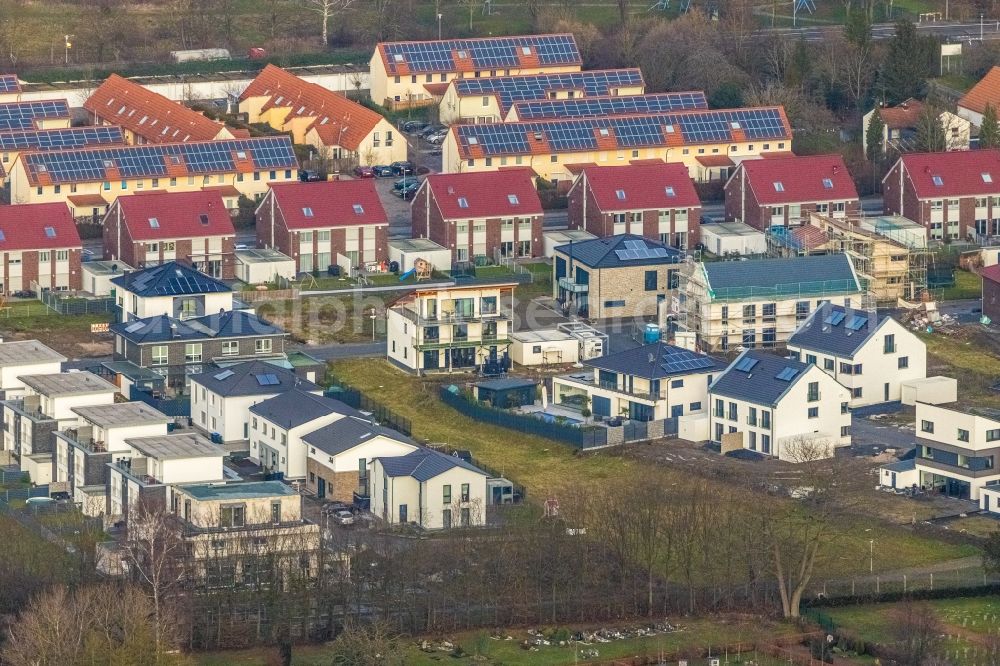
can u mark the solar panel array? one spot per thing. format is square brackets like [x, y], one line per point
[267, 379]
[835, 318]
[787, 374]
[683, 360]
[9, 84]
[636, 249]
[22, 115]
[492, 53]
[225, 374]
[512, 89]
[595, 107]
[150, 161]
[61, 139]
[578, 134]
[856, 323]
[746, 364]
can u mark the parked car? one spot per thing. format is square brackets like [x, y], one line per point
[383, 170]
[343, 517]
[402, 168]
[432, 129]
[411, 126]
[25, 293]
[407, 190]
[310, 176]
[404, 182]
[364, 172]
[437, 139]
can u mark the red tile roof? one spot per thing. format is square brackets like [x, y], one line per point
[487, 194]
[809, 237]
[991, 273]
[904, 116]
[37, 227]
[987, 91]
[329, 204]
[961, 173]
[150, 115]
[642, 187]
[715, 161]
[799, 179]
[87, 200]
[339, 121]
[177, 215]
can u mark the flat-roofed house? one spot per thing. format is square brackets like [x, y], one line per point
[148, 117]
[193, 228]
[495, 215]
[656, 200]
[336, 126]
[416, 73]
[41, 247]
[337, 222]
[25, 357]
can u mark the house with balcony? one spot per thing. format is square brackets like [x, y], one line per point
[451, 328]
[171, 289]
[759, 303]
[497, 215]
[83, 451]
[141, 472]
[778, 407]
[657, 201]
[782, 191]
[25, 357]
[953, 195]
[340, 456]
[648, 383]
[428, 489]
[957, 454]
[221, 398]
[618, 276]
[179, 348]
[30, 421]
[192, 228]
[331, 223]
[869, 355]
[278, 424]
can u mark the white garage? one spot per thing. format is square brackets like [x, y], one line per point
[256, 266]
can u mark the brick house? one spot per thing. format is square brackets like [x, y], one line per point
[493, 214]
[193, 228]
[991, 291]
[782, 191]
[315, 223]
[39, 245]
[954, 195]
[657, 201]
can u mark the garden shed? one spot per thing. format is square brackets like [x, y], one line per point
[508, 392]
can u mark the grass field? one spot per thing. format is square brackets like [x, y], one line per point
[966, 355]
[67, 334]
[967, 285]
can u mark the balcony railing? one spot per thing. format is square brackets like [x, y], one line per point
[453, 317]
[573, 287]
[191, 529]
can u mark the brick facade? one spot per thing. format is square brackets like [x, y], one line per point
[135, 253]
[340, 486]
[742, 205]
[991, 299]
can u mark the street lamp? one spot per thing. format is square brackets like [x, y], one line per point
[871, 556]
[372, 316]
[439, 25]
[68, 44]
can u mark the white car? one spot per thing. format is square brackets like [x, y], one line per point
[343, 517]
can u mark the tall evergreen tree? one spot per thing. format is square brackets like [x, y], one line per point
[858, 29]
[873, 138]
[908, 62]
[930, 133]
[989, 131]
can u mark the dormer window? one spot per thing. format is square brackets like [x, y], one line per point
[204, 219]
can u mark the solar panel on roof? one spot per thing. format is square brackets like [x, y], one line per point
[132, 328]
[267, 379]
[787, 374]
[835, 318]
[745, 364]
[687, 363]
[22, 115]
[8, 83]
[493, 53]
[60, 139]
[600, 105]
[225, 374]
[512, 89]
[634, 245]
[856, 323]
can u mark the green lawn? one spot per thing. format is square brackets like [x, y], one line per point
[967, 285]
[962, 355]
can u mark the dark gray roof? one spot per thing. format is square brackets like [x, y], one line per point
[424, 464]
[807, 276]
[506, 383]
[829, 329]
[169, 279]
[237, 490]
[296, 407]
[603, 252]
[657, 360]
[901, 466]
[244, 379]
[346, 433]
[229, 324]
[760, 385]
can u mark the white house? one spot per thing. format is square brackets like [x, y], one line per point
[780, 407]
[170, 289]
[278, 424]
[221, 400]
[82, 452]
[870, 356]
[341, 452]
[428, 489]
[648, 383]
[25, 357]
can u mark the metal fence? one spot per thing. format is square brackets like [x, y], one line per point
[12, 476]
[358, 400]
[23, 494]
[169, 406]
[66, 303]
[896, 586]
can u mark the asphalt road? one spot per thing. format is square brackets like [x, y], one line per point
[952, 31]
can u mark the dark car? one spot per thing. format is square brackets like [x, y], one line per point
[26, 293]
[364, 172]
[383, 170]
[408, 190]
[412, 126]
[402, 168]
[309, 176]
[404, 182]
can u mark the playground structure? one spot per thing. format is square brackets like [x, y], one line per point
[422, 270]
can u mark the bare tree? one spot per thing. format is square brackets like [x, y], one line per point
[918, 632]
[327, 9]
[472, 6]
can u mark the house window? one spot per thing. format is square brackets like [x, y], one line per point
[192, 352]
[813, 391]
[811, 358]
[677, 383]
[465, 492]
[276, 511]
[650, 278]
[769, 310]
[963, 435]
[62, 255]
[903, 362]
[801, 310]
[749, 314]
[765, 419]
[719, 408]
[233, 516]
[889, 346]
[828, 364]
[733, 411]
[752, 416]
[845, 431]
[230, 347]
[262, 346]
[159, 355]
[446, 499]
[857, 392]
[927, 426]
[814, 412]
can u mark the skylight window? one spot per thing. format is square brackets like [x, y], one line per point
[604, 131]
[670, 191]
[827, 184]
[463, 202]
[669, 129]
[779, 186]
[2, 237]
[473, 140]
[398, 57]
[938, 181]
[987, 177]
[142, 121]
[787, 374]
[358, 209]
[108, 164]
[512, 199]
[225, 374]
[154, 223]
[121, 110]
[204, 219]
[267, 380]
[50, 232]
[175, 159]
[241, 154]
[620, 194]
[307, 211]
[746, 364]
[526, 50]
[734, 125]
[463, 54]
[41, 168]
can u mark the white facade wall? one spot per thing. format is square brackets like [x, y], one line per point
[288, 443]
[14, 387]
[540, 352]
[349, 461]
[61, 407]
[189, 470]
[136, 307]
[425, 501]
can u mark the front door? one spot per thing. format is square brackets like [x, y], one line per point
[402, 514]
[321, 487]
[676, 410]
[986, 503]
[887, 391]
[893, 476]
